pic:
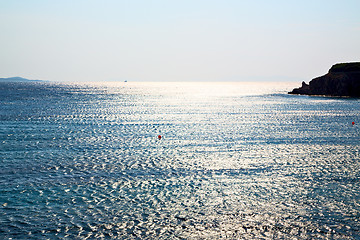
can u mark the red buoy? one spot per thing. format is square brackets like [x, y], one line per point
[353, 123]
[159, 137]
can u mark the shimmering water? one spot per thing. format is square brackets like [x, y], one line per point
[236, 161]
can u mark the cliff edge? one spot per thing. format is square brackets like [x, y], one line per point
[343, 80]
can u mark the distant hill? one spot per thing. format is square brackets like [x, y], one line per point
[18, 79]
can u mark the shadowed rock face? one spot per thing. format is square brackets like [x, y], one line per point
[342, 80]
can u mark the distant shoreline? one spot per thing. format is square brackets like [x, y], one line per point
[18, 79]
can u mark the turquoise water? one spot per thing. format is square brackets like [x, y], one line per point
[235, 161]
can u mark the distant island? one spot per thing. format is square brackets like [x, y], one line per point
[342, 80]
[17, 79]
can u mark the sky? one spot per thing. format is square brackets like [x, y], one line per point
[166, 40]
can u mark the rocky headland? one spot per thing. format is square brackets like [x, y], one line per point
[342, 80]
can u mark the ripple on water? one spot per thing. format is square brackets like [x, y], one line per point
[84, 162]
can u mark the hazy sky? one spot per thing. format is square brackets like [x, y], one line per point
[165, 40]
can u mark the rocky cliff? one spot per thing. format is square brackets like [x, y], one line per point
[343, 79]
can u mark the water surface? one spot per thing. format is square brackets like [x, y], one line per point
[236, 161]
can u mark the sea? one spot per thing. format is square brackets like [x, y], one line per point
[234, 160]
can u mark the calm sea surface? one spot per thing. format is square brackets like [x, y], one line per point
[235, 161]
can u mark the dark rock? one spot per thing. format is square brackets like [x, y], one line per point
[342, 80]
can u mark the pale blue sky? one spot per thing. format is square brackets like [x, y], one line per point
[158, 40]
